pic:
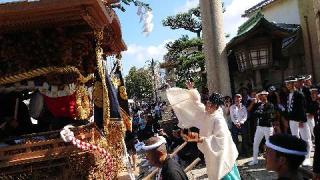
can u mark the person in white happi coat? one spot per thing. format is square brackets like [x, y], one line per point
[296, 113]
[215, 140]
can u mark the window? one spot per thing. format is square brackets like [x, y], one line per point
[258, 57]
[241, 59]
[252, 58]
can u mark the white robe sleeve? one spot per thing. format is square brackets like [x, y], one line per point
[187, 106]
[219, 149]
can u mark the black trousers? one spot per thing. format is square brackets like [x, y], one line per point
[243, 131]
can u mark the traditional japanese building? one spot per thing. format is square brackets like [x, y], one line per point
[264, 52]
[300, 49]
[280, 38]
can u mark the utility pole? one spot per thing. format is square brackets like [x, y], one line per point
[154, 80]
[218, 78]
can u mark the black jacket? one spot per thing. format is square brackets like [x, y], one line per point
[171, 170]
[297, 111]
[264, 114]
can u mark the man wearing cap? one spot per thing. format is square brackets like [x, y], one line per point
[238, 114]
[295, 112]
[156, 154]
[264, 115]
[307, 91]
[299, 83]
[306, 85]
[285, 153]
[274, 99]
[312, 108]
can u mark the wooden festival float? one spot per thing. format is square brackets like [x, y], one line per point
[53, 73]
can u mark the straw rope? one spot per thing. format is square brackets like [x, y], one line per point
[43, 71]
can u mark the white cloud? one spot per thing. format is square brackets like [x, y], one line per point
[232, 16]
[137, 55]
[188, 5]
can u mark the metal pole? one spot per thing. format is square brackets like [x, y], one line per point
[154, 80]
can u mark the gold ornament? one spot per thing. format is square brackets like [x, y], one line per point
[123, 93]
[126, 119]
[82, 103]
[99, 55]
[116, 82]
[114, 145]
[98, 94]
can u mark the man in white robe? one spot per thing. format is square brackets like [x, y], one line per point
[216, 142]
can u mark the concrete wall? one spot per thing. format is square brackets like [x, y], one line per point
[309, 18]
[283, 11]
[317, 27]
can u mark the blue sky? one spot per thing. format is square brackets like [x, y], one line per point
[142, 48]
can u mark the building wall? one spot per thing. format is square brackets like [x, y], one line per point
[301, 12]
[311, 31]
[317, 27]
[283, 11]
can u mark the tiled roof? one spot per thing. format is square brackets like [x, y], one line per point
[259, 21]
[257, 6]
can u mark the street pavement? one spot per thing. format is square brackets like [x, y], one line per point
[246, 172]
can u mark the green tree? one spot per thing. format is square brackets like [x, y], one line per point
[190, 21]
[120, 4]
[185, 53]
[187, 60]
[139, 83]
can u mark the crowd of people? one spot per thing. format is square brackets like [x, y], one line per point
[292, 109]
[272, 115]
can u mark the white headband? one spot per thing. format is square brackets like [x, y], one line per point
[284, 150]
[141, 146]
[291, 80]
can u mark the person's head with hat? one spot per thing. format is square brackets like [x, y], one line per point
[237, 99]
[289, 81]
[314, 92]
[285, 153]
[156, 154]
[155, 150]
[263, 96]
[214, 102]
[300, 80]
[308, 80]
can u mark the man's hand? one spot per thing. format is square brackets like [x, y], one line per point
[201, 139]
[238, 125]
[301, 124]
